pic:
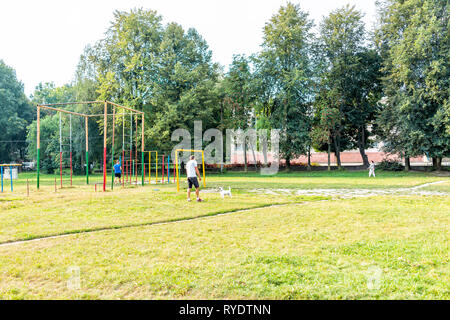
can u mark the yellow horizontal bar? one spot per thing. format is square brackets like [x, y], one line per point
[187, 150]
[10, 165]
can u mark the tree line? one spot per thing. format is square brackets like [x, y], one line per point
[330, 87]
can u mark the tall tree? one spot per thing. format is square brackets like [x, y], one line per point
[342, 43]
[15, 115]
[413, 38]
[239, 97]
[162, 70]
[285, 63]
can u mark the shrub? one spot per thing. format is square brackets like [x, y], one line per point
[390, 165]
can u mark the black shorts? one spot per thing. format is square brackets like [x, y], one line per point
[118, 175]
[193, 181]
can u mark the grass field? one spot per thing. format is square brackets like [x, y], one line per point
[150, 243]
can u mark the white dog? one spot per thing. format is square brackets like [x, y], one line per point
[223, 193]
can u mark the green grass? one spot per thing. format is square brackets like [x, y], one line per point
[441, 187]
[245, 181]
[70, 211]
[319, 250]
[304, 249]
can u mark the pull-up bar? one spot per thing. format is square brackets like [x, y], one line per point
[10, 173]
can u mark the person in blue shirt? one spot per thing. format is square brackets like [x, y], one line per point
[117, 171]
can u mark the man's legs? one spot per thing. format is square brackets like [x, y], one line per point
[197, 192]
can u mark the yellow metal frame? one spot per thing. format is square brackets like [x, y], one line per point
[150, 167]
[176, 164]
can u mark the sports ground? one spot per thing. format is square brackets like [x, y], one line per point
[306, 235]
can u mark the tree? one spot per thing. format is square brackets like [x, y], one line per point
[164, 71]
[239, 97]
[285, 70]
[16, 113]
[414, 43]
[326, 120]
[342, 43]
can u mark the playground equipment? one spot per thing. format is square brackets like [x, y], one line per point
[86, 116]
[177, 166]
[165, 166]
[9, 175]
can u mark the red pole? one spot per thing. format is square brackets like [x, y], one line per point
[174, 172]
[131, 163]
[128, 169]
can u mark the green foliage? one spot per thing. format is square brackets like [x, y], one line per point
[350, 82]
[414, 42]
[284, 75]
[164, 71]
[16, 113]
[390, 165]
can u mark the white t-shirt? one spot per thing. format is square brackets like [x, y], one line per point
[372, 167]
[190, 168]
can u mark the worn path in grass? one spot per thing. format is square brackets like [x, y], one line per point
[427, 189]
[388, 247]
[340, 193]
[72, 211]
[80, 210]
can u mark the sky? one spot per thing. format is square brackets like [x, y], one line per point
[43, 39]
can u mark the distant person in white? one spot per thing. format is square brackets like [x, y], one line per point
[372, 170]
[192, 173]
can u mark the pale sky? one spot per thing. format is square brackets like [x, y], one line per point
[43, 39]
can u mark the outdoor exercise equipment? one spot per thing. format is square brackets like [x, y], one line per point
[10, 166]
[86, 116]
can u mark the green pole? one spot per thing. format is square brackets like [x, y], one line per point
[87, 167]
[38, 162]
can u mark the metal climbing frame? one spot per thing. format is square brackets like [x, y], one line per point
[105, 126]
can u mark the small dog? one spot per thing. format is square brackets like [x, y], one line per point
[223, 193]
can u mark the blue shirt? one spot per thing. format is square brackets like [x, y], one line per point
[117, 168]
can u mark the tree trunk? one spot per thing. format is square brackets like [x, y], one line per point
[288, 163]
[254, 156]
[245, 155]
[264, 147]
[309, 158]
[362, 147]
[329, 156]
[337, 151]
[407, 164]
[437, 163]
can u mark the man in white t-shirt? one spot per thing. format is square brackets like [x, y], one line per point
[192, 173]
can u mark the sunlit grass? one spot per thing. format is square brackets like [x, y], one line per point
[304, 249]
[317, 250]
